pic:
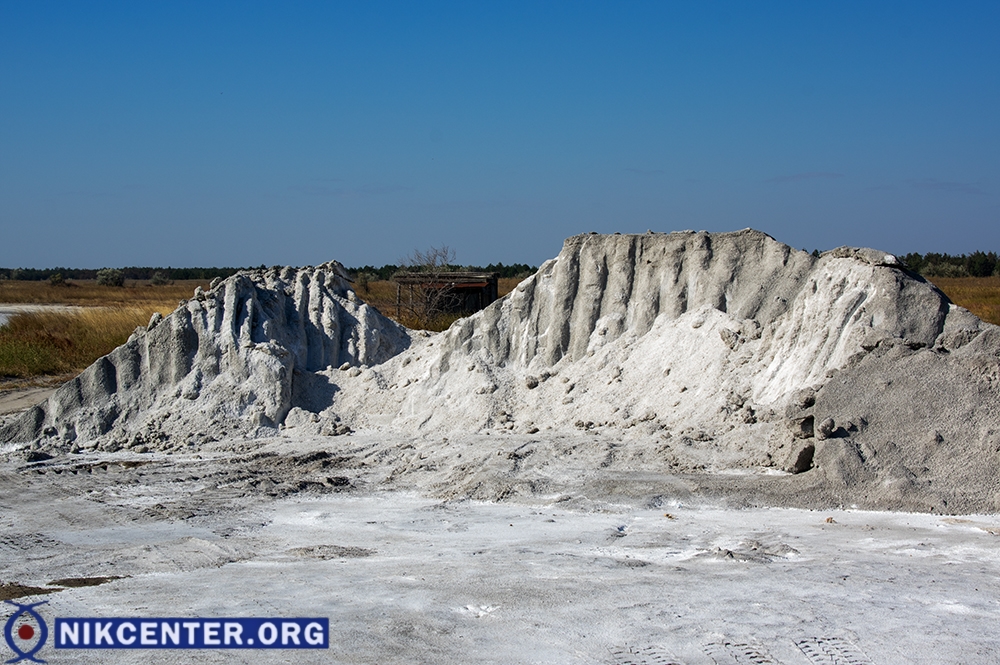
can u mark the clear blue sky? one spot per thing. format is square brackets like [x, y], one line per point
[245, 133]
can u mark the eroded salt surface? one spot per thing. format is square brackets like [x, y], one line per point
[726, 355]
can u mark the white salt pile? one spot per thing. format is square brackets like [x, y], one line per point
[688, 353]
[231, 361]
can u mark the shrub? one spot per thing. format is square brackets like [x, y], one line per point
[57, 279]
[945, 270]
[110, 277]
[159, 279]
[364, 279]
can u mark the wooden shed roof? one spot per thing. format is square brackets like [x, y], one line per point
[470, 279]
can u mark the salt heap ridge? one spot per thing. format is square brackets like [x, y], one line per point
[232, 361]
[681, 353]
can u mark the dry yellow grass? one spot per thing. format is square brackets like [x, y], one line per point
[979, 295]
[59, 343]
[55, 343]
[88, 294]
[507, 284]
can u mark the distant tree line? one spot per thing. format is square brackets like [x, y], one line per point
[387, 271]
[932, 264]
[137, 273]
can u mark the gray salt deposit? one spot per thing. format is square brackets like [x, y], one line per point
[724, 364]
[231, 361]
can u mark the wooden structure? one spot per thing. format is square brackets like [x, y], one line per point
[456, 292]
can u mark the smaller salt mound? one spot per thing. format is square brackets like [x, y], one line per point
[232, 361]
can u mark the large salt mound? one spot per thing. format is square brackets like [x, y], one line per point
[675, 328]
[684, 353]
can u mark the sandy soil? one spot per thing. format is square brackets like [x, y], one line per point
[16, 399]
[405, 578]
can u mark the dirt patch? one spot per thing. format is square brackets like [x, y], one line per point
[12, 590]
[78, 582]
[331, 552]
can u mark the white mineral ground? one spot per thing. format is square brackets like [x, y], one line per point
[630, 459]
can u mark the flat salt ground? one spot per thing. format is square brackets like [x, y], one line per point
[512, 583]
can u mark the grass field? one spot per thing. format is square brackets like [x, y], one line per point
[63, 343]
[979, 295]
[66, 342]
[88, 294]
[60, 344]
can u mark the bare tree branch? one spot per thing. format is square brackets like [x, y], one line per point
[424, 302]
[430, 260]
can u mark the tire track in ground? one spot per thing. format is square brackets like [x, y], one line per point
[832, 651]
[819, 651]
[739, 653]
[629, 655]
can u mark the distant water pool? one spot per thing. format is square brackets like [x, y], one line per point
[9, 310]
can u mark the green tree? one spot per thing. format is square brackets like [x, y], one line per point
[110, 277]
